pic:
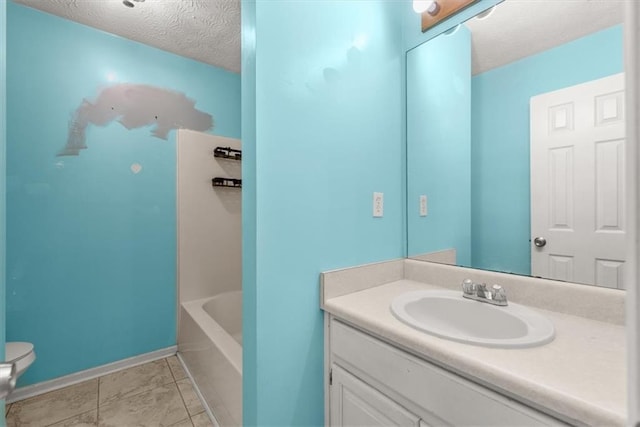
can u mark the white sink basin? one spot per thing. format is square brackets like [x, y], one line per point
[447, 314]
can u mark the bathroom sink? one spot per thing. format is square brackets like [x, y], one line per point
[447, 314]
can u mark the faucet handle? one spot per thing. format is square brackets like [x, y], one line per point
[468, 287]
[498, 294]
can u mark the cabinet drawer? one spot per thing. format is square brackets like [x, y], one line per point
[414, 383]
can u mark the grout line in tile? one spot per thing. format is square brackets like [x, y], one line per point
[181, 369]
[166, 361]
[170, 370]
[183, 402]
[148, 391]
[131, 395]
[98, 402]
[208, 418]
[186, 419]
[11, 406]
[200, 401]
[73, 416]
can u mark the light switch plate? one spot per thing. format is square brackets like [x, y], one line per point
[378, 205]
[423, 205]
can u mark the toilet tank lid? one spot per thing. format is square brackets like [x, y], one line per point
[17, 350]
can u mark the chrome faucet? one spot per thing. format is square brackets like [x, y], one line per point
[479, 292]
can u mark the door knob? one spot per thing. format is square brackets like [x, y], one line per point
[8, 377]
[539, 241]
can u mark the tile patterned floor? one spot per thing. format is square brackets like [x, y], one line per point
[151, 395]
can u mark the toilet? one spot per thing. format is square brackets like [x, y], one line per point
[20, 353]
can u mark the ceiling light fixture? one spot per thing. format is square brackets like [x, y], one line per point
[486, 13]
[432, 7]
[130, 4]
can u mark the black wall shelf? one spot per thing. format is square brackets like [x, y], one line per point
[226, 182]
[227, 153]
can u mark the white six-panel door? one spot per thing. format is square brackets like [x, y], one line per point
[578, 183]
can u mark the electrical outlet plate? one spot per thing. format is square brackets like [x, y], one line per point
[378, 205]
[423, 205]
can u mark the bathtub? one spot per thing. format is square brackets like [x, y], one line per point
[210, 344]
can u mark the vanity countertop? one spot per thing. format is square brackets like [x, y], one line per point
[580, 377]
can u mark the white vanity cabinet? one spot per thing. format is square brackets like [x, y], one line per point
[373, 383]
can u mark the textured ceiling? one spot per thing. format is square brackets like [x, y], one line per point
[519, 28]
[209, 30]
[205, 30]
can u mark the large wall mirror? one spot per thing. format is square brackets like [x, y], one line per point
[516, 143]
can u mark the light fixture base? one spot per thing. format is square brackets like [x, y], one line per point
[440, 10]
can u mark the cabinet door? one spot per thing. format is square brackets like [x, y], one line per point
[355, 403]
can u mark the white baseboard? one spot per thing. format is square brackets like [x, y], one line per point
[197, 390]
[98, 371]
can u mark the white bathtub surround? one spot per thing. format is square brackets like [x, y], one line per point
[209, 344]
[226, 310]
[210, 273]
[208, 218]
[578, 378]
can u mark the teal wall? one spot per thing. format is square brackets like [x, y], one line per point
[249, 217]
[3, 26]
[328, 133]
[500, 141]
[91, 246]
[439, 144]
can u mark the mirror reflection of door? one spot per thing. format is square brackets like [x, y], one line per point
[578, 183]
[469, 133]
